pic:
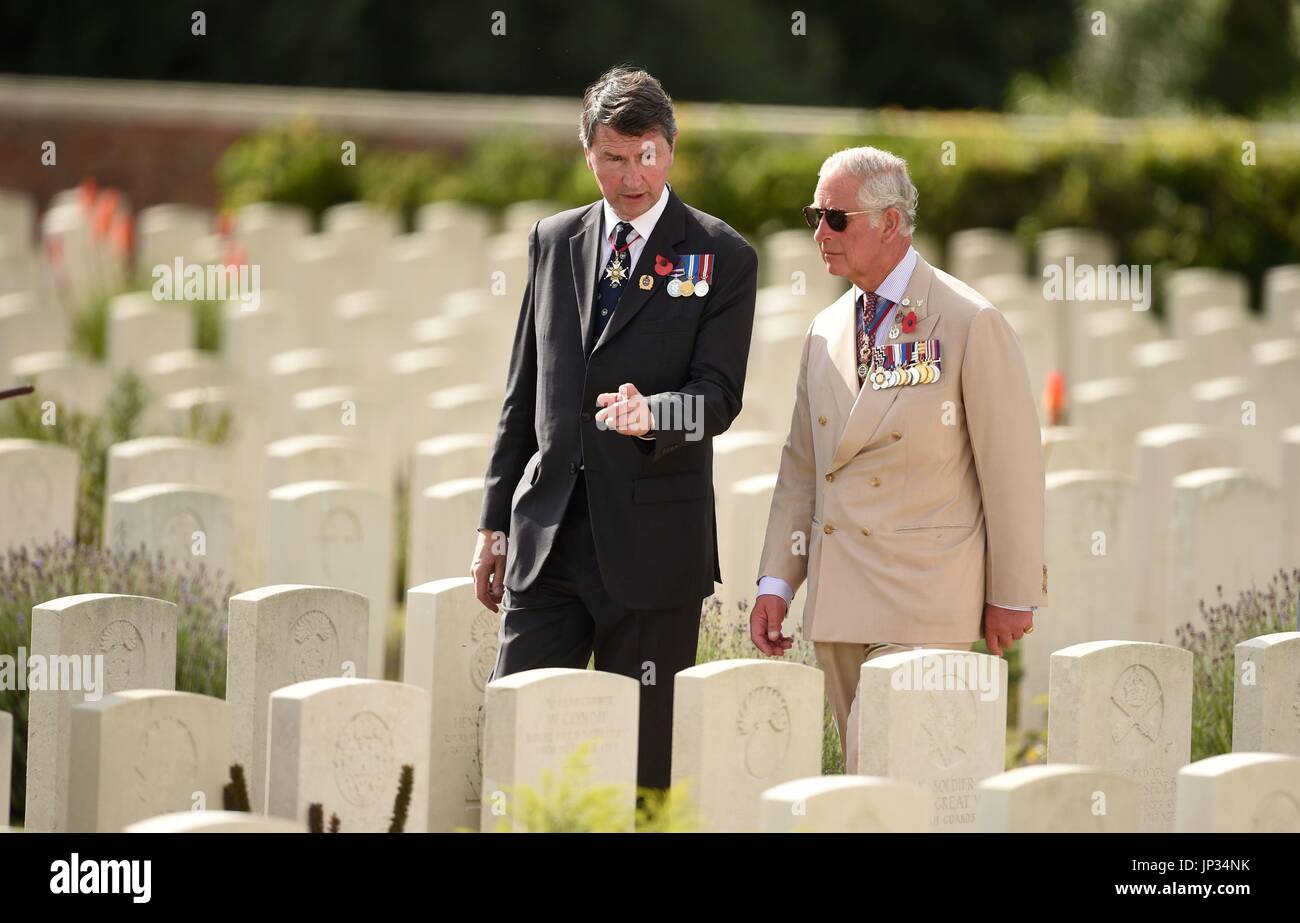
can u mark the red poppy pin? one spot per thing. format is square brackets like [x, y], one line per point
[909, 322]
[663, 265]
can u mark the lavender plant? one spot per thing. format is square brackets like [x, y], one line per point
[1224, 624]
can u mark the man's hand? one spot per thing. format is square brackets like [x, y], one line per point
[626, 412]
[765, 625]
[1003, 627]
[489, 567]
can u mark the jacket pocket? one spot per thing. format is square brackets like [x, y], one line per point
[529, 477]
[952, 528]
[663, 488]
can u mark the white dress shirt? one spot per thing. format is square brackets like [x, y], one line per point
[642, 227]
[892, 290]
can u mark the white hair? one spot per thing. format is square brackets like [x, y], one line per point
[884, 182]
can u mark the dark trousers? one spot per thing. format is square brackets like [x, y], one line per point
[566, 615]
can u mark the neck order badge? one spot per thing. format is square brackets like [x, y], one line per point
[616, 270]
[693, 277]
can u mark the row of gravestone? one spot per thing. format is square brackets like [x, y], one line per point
[357, 233]
[419, 381]
[935, 719]
[983, 257]
[1223, 523]
[360, 250]
[337, 533]
[278, 637]
[1107, 538]
[141, 750]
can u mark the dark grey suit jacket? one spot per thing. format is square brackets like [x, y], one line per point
[651, 501]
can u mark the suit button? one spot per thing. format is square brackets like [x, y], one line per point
[875, 482]
[604, 311]
[830, 476]
[896, 434]
[821, 420]
[573, 468]
[866, 531]
[828, 529]
[584, 417]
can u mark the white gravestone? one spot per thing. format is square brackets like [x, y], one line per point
[342, 743]
[334, 533]
[536, 720]
[1240, 793]
[1092, 557]
[1056, 798]
[38, 493]
[741, 727]
[278, 636]
[144, 752]
[451, 650]
[1125, 707]
[1266, 694]
[845, 804]
[131, 644]
[937, 718]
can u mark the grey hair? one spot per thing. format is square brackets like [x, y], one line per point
[884, 182]
[628, 100]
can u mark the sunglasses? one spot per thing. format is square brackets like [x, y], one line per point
[837, 218]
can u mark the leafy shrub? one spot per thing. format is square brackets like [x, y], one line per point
[1171, 194]
[569, 802]
[296, 164]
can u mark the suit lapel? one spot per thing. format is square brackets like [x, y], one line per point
[584, 254]
[670, 230]
[871, 405]
[843, 349]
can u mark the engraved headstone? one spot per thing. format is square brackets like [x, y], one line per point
[536, 720]
[143, 752]
[451, 650]
[130, 643]
[335, 533]
[936, 718]
[278, 636]
[741, 727]
[342, 743]
[1125, 707]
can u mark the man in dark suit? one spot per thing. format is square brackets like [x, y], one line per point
[597, 533]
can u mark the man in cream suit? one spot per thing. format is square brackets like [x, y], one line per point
[910, 491]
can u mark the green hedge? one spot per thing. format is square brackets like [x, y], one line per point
[1171, 194]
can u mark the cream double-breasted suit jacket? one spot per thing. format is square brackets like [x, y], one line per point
[906, 509]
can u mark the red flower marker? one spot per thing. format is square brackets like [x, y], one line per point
[122, 234]
[909, 322]
[87, 192]
[1054, 397]
[663, 265]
